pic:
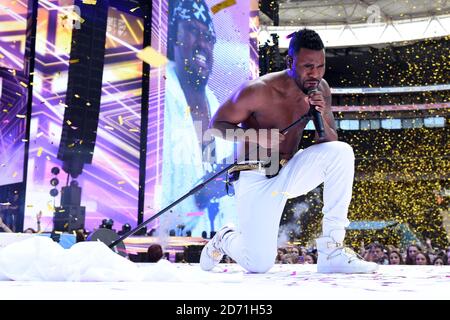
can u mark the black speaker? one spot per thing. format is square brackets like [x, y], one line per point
[70, 196]
[84, 87]
[69, 218]
[192, 254]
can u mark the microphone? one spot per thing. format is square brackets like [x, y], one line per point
[317, 117]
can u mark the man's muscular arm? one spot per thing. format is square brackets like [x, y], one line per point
[248, 99]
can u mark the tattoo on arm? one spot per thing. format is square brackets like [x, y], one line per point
[332, 123]
[328, 100]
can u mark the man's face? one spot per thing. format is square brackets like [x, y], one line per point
[308, 67]
[194, 50]
[379, 252]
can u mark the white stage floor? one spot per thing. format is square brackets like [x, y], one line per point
[230, 282]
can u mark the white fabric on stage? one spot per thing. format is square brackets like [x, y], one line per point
[42, 259]
[69, 274]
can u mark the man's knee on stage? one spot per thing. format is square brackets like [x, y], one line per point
[259, 262]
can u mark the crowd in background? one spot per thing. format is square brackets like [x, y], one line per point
[413, 254]
[376, 252]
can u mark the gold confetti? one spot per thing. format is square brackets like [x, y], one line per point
[152, 57]
[39, 153]
[48, 158]
[93, 2]
[121, 182]
[222, 5]
[134, 9]
[14, 174]
[29, 206]
[1, 56]
[40, 134]
[73, 61]
[69, 122]
[133, 130]
[21, 116]
[109, 128]
[120, 120]
[187, 112]
[23, 84]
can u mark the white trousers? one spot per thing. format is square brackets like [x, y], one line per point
[260, 201]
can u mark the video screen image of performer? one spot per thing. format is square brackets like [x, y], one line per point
[275, 101]
[188, 156]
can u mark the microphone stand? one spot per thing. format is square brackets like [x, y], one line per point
[194, 190]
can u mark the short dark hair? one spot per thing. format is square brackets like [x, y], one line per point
[154, 253]
[304, 38]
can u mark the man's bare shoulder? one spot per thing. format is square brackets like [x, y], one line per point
[261, 86]
[270, 83]
[324, 87]
[258, 91]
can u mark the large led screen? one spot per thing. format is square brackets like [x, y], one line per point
[13, 90]
[110, 183]
[210, 54]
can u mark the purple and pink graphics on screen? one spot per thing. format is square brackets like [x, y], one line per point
[110, 183]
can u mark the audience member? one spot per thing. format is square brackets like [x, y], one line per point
[439, 261]
[422, 258]
[411, 252]
[154, 253]
[395, 257]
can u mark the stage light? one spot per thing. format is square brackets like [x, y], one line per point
[54, 182]
[125, 228]
[107, 223]
[54, 192]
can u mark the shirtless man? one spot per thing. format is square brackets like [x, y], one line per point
[275, 101]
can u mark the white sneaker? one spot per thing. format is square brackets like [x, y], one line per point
[335, 258]
[212, 252]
